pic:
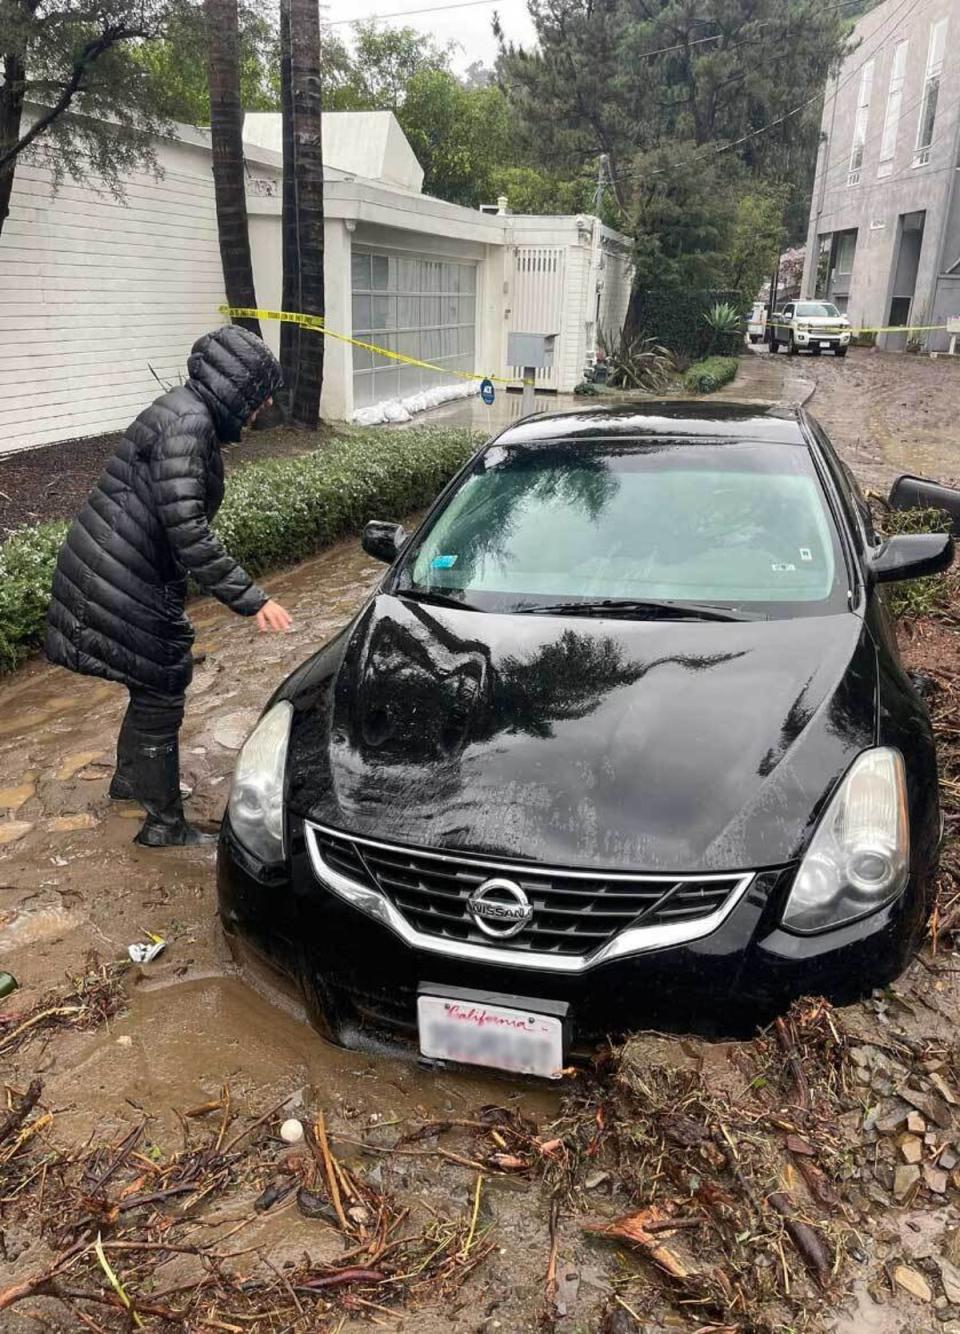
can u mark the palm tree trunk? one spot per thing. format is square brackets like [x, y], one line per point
[11, 113]
[226, 132]
[303, 288]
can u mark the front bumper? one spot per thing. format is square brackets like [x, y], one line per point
[359, 979]
[812, 338]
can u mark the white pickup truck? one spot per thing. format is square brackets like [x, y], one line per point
[814, 326]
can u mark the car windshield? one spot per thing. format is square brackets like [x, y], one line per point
[725, 523]
[818, 310]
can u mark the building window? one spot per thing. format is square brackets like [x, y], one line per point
[931, 93]
[888, 145]
[860, 124]
[416, 305]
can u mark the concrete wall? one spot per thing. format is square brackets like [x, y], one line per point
[875, 204]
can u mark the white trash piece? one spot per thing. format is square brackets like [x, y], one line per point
[291, 1132]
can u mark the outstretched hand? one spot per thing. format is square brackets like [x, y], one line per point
[272, 616]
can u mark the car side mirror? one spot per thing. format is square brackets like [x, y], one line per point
[383, 540]
[912, 556]
[918, 493]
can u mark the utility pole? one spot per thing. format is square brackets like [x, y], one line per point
[603, 171]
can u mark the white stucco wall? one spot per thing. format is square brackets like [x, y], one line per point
[97, 295]
[94, 293]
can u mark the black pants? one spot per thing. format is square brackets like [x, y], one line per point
[154, 716]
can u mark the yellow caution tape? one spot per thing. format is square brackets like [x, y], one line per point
[318, 324]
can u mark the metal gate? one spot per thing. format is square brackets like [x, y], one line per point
[537, 302]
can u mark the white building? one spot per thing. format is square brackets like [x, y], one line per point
[100, 298]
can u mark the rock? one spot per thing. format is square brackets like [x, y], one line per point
[916, 1124]
[232, 730]
[913, 1282]
[935, 1179]
[933, 1107]
[943, 1088]
[950, 1245]
[905, 1179]
[71, 824]
[291, 1132]
[74, 763]
[950, 1277]
[948, 1160]
[911, 1148]
[891, 1119]
[11, 831]
[12, 798]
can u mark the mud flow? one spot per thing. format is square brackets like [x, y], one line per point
[805, 1178]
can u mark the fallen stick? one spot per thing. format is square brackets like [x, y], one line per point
[320, 1130]
[806, 1238]
[16, 1117]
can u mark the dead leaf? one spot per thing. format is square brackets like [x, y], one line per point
[633, 1228]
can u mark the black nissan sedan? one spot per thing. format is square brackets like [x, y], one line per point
[622, 737]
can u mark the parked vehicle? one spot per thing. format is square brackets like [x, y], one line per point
[757, 322]
[814, 326]
[621, 737]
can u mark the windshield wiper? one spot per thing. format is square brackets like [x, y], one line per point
[434, 598]
[642, 608]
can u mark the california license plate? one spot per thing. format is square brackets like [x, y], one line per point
[473, 1033]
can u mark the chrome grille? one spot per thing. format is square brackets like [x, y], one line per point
[574, 913]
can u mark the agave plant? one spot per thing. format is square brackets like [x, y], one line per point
[637, 362]
[725, 324]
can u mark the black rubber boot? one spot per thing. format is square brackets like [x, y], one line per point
[156, 778]
[121, 784]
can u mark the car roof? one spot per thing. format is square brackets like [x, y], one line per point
[673, 418]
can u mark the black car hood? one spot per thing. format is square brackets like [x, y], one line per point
[660, 746]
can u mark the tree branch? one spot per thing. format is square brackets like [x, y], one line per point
[93, 50]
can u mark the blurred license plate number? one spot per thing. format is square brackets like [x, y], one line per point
[517, 1041]
[825, 344]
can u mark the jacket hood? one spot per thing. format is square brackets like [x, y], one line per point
[666, 747]
[234, 372]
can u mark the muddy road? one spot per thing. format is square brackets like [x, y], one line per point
[886, 412]
[511, 1253]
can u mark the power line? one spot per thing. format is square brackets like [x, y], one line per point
[409, 13]
[644, 55]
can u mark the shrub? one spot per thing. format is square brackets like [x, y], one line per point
[677, 319]
[636, 362]
[916, 597]
[706, 376]
[275, 512]
[27, 559]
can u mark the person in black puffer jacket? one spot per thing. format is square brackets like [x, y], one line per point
[121, 578]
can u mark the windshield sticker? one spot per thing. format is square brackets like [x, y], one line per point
[785, 568]
[443, 562]
[806, 553]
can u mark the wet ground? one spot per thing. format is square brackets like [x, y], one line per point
[888, 413]
[71, 880]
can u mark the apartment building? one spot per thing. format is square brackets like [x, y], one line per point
[884, 235]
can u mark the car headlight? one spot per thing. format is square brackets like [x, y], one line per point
[256, 798]
[859, 858]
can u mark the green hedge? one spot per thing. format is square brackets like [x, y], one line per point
[676, 319]
[708, 375]
[275, 512]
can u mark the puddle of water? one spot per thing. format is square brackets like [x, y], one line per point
[178, 1045]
